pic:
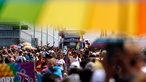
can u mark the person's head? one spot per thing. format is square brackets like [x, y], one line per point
[87, 52]
[51, 63]
[4, 52]
[59, 56]
[25, 53]
[85, 75]
[74, 54]
[84, 62]
[9, 51]
[20, 53]
[53, 55]
[138, 61]
[66, 80]
[40, 57]
[47, 77]
[13, 50]
[74, 68]
[134, 54]
[36, 54]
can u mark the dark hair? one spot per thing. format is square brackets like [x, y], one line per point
[1, 61]
[47, 77]
[84, 62]
[74, 71]
[9, 51]
[7, 60]
[114, 46]
[66, 80]
[85, 75]
[74, 52]
[20, 52]
[4, 52]
[86, 52]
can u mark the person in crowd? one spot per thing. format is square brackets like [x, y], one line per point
[67, 59]
[39, 63]
[38, 76]
[61, 63]
[86, 54]
[25, 54]
[97, 71]
[48, 77]
[36, 54]
[53, 69]
[144, 56]
[102, 55]
[20, 58]
[137, 63]
[74, 72]
[119, 61]
[66, 80]
[75, 58]
[6, 56]
[1, 58]
[85, 75]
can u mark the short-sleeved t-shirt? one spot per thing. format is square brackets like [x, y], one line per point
[60, 63]
[57, 71]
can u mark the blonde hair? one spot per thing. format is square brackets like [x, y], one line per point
[52, 60]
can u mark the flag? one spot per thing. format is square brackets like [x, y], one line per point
[67, 60]
[78, 45]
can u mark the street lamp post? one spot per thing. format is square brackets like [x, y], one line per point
[19, 33]
[34, 44]
[34, 32]
[41, 36]
[47, 35]
[53, 36]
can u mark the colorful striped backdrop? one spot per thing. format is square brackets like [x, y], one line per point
[111, 15]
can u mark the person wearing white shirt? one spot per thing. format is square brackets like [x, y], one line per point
[75, 58]
[20, 58]
[61, 63]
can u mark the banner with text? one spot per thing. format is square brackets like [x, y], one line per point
[17, 72]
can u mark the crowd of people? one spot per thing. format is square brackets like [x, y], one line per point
[119, 61]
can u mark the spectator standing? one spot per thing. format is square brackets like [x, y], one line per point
[75, 58]
[61, 63]
[20, 58]
[53, 69]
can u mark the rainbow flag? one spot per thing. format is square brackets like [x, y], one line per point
[78, 45]
[128, 17]
[67, 60]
